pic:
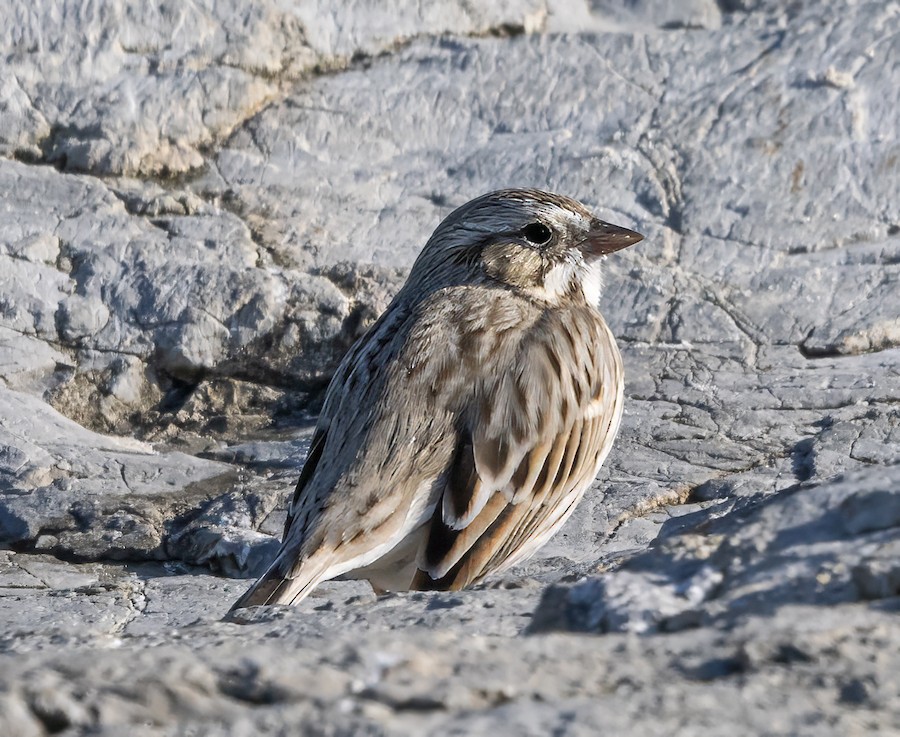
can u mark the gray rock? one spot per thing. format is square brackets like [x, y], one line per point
[827, 544]
[665, 162]
[636, 16]
[443, 662]
[69, 491]
[134, 314]
[167, 81]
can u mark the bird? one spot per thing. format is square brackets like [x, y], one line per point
[460, 431]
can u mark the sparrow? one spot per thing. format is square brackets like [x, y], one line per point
[461, 430]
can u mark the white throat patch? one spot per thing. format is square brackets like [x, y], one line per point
[563, 276]
[558, 280]
[592, 282]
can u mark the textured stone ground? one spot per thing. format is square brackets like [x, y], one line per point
[202, 205]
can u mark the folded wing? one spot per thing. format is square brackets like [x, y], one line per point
[524, 460]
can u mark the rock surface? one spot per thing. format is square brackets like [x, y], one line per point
[202, 206]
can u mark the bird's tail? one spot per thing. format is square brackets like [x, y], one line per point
[276, 587]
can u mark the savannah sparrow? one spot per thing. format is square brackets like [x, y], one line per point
[461, 430]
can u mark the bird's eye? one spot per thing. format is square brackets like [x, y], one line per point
[537, 233]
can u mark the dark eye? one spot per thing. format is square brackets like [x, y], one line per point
[537, 233]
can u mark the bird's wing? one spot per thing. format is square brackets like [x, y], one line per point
[309, 468]
[303, 501]
[523, 461]
[340, 494]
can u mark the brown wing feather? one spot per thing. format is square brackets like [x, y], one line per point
[455, 559]
[550, 476]
[539, 517]
[595, 437]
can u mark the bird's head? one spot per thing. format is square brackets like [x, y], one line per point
[542, 245]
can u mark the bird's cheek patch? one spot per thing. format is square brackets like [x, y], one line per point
[513, 264]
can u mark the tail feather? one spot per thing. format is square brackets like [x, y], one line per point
[273, 587]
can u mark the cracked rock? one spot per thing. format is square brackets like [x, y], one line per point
[826, 544]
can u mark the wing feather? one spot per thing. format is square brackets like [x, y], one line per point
[309, 468]
[498, 521]
[528, 526]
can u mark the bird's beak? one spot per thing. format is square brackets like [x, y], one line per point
[605, 238]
